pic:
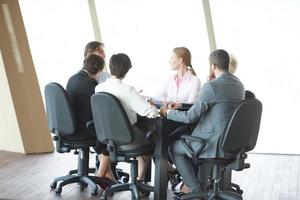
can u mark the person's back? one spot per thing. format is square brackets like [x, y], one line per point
[80, 88]
[226, 92]
[131, 100]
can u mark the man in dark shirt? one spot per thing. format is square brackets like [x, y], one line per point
[80, 88]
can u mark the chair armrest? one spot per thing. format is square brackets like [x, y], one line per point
[113, 153]
[175, 135]
[151, 136]
[201, 142]
[89, 124]
[239, 163]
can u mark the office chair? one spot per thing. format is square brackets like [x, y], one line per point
[113, 128]
[61, 123]
[240, 137]
[226, 174]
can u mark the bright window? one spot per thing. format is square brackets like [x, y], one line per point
[264, 36]
[148, 31]
[57, 32]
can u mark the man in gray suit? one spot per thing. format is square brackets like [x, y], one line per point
[217, 101]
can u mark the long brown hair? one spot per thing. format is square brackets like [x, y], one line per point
[185, 54]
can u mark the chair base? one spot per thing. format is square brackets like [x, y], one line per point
[133, 187]
[84, 181]
[211, 195]
[75, 171]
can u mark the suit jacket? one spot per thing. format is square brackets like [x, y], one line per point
[80, 88]
[213, 110]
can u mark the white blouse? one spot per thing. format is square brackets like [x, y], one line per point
[187, 90]
[131, 100]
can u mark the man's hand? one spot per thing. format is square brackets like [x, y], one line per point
[211, 76]
[175, 105]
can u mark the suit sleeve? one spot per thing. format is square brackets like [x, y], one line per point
[201, 106]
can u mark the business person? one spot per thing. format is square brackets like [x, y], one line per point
[80, 88]
[184, 85]
[233, 64]
[212, 111]
[96, 47]
[131, 100]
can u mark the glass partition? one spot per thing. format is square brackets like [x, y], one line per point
[148, 31]
[57, 32]
[264, 37]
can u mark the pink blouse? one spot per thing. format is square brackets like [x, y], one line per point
[184, 90]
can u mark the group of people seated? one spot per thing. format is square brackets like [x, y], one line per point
[210, 106]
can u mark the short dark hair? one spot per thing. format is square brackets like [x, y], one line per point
[220, 58]
[91, 47]
[119, 65]
[93, 64]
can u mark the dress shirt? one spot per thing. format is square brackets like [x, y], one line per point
[184, 90]
[131, 100]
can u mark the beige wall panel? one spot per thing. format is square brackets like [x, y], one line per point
[10, 133]
[22, 81]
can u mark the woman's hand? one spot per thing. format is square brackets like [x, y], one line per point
[174, 105]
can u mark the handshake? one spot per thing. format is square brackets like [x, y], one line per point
[166, 107]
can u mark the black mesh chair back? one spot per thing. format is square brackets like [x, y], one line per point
[243, 128]
[110, 119]
[59, 110]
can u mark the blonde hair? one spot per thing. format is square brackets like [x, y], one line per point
[185, 54]
[233, 64]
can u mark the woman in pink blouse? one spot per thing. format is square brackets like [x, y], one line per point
[181, 88]
[184, 86]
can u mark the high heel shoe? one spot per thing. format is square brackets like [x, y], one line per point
[105, 186]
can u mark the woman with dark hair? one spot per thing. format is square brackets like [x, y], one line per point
[134, 104]
[80, 88]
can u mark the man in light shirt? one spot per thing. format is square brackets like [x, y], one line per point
[132, 102]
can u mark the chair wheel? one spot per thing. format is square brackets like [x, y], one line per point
[125, 179]
[53, 185]
[239, 191]
[58, 190]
